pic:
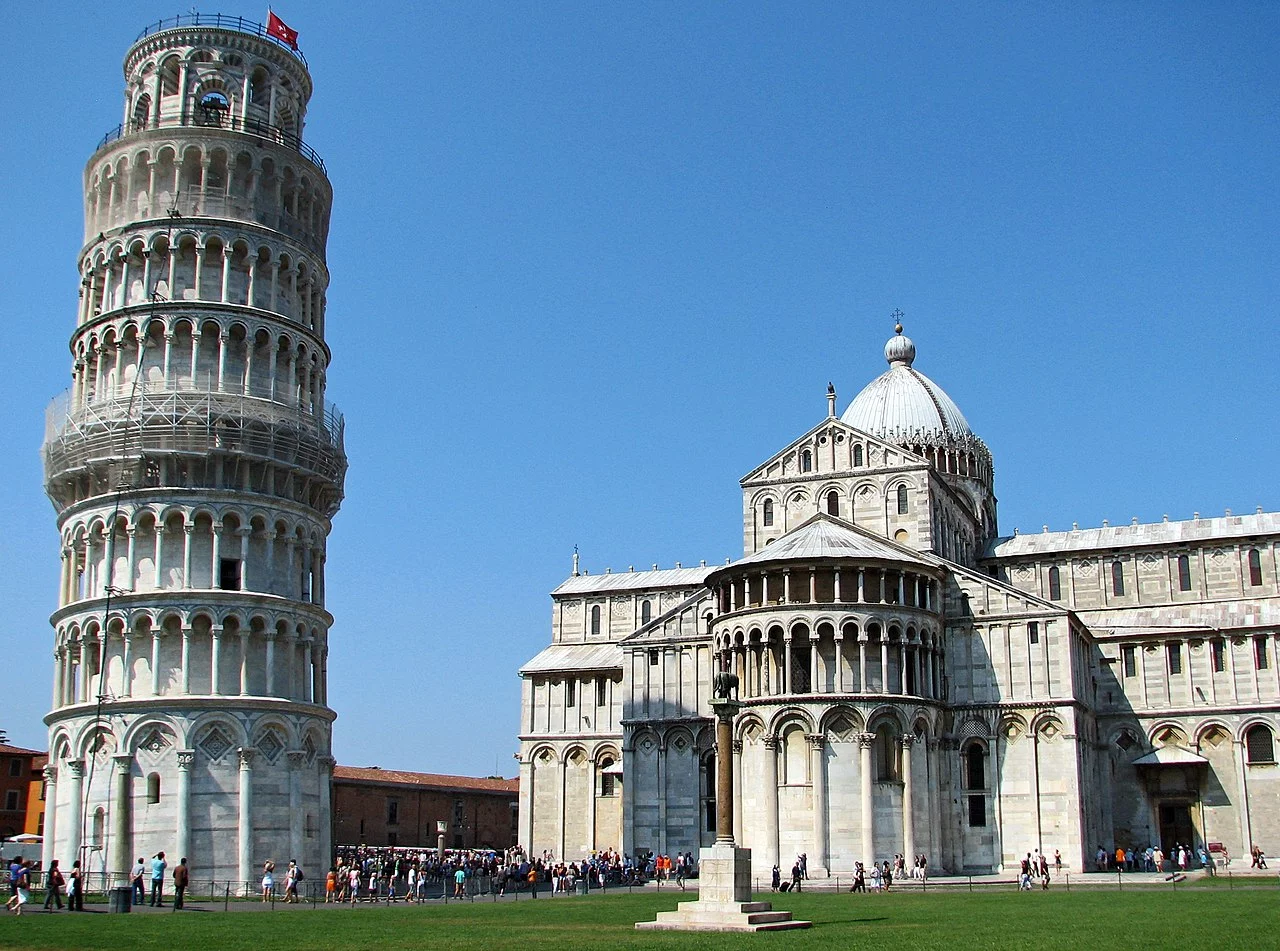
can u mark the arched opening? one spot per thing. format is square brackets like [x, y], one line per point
[1259, 746]
[595, 620]
[887, 750]
[767, 514]
[1184, 573]
[1055, 584]
[153, 788]
[902, 500]
[1117, 579]
[857, 455]
[98, 836]
[646, 611]
[1255, 567]
[806, 461]
[975, 766]
[833, 503]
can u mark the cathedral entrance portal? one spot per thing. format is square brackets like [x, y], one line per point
[1176, 827]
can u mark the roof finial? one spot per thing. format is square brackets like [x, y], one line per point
[575, 561]
[831, 399]
[897, 316]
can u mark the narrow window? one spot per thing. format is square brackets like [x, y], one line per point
[1174, 652]
[833, 503]
[595, 620]
[1184, 573]
[1259, 745]
[1219, 648]
[229, 574]
[653, 658]
[1129, 660]
[1255, 567]
[602, 692]
[571, 692]
[977, 812]
[393, 812]
[608, 779]
[1260, 657]
[975, 767]
[153, 787]
[1055, 584]
[646, 611]
[1117, 579]
[15, 767]
[768, 513]
[1033, 631]
[857, 455]
[11, 803]
[902, 500]
[806, 461]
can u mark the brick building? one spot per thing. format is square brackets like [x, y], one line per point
[20, 780]
[377, 807]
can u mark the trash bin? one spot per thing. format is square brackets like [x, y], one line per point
[120, 899]
[582, 886]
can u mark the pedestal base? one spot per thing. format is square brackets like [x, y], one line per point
[724, 899]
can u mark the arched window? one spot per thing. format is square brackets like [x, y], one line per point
[595, 620]
[768, 513]
[1255, 567]
[902, 500]
[857, 455]
[99, 827]
[886, 754]
[833, 503]
[1259, 745]
[1055, 584]
[646, 611]
[975, 767]
[1184, 573]
[153, 787]
[806, 461]
[1117, 579]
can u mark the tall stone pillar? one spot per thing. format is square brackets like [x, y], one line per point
[75, 805]
[908, 799]
[770, 781]
[182, 837]
[244, 844]
[118, 861]
[297, 762]
[326, 764]
[866, 744]
[818, 776]
[50, 816]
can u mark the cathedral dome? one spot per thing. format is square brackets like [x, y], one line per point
[905, 407]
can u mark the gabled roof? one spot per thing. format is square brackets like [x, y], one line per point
[908, 458]
[634, 580]
[825, 536]
[7, 750]
[1189, 532]
[1171, 756]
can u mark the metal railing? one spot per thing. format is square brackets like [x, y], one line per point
[171, 421]
[216, 120]
[220, 22]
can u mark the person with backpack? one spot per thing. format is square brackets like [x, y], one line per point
[21, 889]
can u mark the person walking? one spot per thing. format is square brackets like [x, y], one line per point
[181, 879]
[859, 879]
[775, 880]
[158, 865]
[21, 889]
[53, 886]
[291, 879]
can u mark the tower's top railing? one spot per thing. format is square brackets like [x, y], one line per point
[218, 21]
[215, 121]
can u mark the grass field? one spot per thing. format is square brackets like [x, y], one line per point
[1222, 920]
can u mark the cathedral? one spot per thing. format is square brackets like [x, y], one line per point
[912, 681]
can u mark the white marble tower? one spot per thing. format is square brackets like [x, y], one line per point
[195, 466]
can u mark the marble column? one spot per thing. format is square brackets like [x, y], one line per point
[818, 776]
[75, 805]
[244, 865]
[50, 816]
[119, 860]
[770, 781]
[326, 764]
[908, 806]
[297, 761]
[866, 744]
[182, 836]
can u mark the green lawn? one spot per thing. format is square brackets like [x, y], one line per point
[1036, 921]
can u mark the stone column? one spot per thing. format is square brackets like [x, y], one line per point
[50, 816]
[244, 661]
[884, 661]
[838, 683]
[271, 663]
[908, 806]
[297, 761]
[788, 684]
[866, 743]
[118, 862]
[215, 660]
[326, 764]
[771, 800]
[818, 776]
[182, 834]
[813, 663]
[186, 662]
[244, 845]
[75, 805]
[155, 661]
[126, 662]
[862, 663]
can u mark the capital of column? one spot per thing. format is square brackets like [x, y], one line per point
[297, 758]
[907, 739]
[50, 774]
[186, 759]
[123, 761]
[866, 740]
[76, 768]
[737, 746]
[770, 742]
[817, 741]
[246, 754]
[326, 764]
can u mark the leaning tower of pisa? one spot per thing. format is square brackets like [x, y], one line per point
[195, 467]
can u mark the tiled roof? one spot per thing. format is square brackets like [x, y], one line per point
[1188, 532]
[823, 537]
[635, 580]
[401, 777]
[575, 657]
[6, 750]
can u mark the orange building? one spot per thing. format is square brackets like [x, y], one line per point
[381, 807]
[21, 784]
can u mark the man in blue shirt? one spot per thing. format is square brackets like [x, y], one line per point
[158, 865]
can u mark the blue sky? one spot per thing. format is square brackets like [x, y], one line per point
[592, 262]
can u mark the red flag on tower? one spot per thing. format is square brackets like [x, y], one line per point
[280, 30]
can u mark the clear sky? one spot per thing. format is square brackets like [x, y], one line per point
[591, 262]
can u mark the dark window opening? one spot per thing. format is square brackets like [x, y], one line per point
[902, 500]
[595, 620]
[229, 574]
[1184, 573]
[833, 503]
[1129, 659]
[977, 812]
[393, 812]
[975, 767]
[653, 658]
[1261, 660]
[1055, 584]
[1219, 650]
[1033, 632]
[153, 788]
[571, 692]
[857, 455]
[1259, 745]
[1255, 567]
[806, 461]
[1174, 652]
[646, 612]
[602, 695]
[767, 517]
[1117, 579]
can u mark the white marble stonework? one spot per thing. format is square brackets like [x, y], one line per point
[195, 467]
[912, 681]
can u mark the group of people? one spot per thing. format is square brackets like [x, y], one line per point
[1151, 859]
[72, 884]
[292, 877]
